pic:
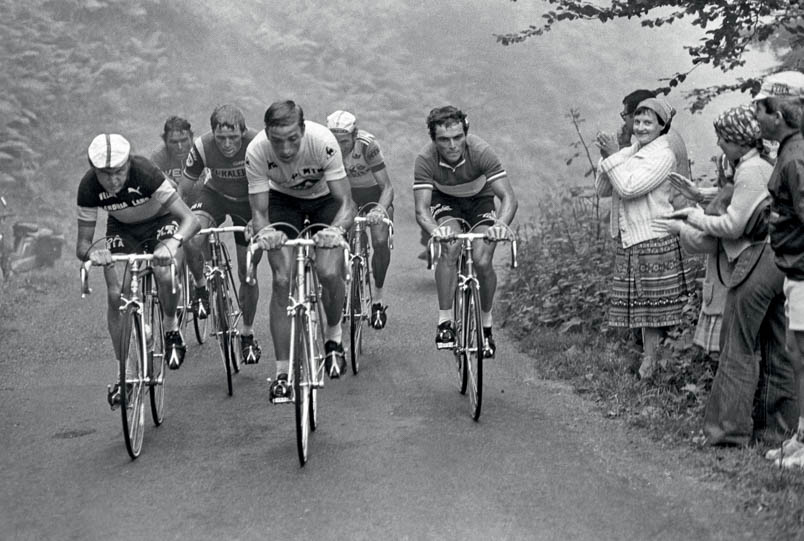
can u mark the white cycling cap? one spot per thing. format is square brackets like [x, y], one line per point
[785, 84]
[108, 151]
[341, 121]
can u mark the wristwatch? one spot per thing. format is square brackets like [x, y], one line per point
[179, 237]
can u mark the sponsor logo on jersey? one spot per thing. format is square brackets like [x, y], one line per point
[230, 173]
[114, 242]
[489, 215]
[103, 196]
[330, 152]
[135, 190]
[191, 158]
[167, 230]
[123, 204]
[272, 165]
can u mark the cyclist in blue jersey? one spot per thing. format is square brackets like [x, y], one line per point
[458, 175]
[222, 152]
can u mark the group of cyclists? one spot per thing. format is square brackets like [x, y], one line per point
[272, 181]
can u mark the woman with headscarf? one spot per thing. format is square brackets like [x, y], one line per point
[753, 394]
[650, 282]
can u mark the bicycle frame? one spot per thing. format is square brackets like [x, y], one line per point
[133, 306]
[221, 286]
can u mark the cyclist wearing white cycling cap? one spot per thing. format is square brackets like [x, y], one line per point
[145, 214]
[368, 178]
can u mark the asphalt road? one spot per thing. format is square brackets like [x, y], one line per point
[396, 455]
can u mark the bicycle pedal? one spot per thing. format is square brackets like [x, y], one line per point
[446, 345]
[282, 400]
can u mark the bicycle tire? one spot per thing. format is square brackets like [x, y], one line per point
[156, 358]
[473, 363]
[459, 351]
[301, 386]
[219, 308]
[316, 361]
[232, 307]
[356, 316]
[183, 301]
[201, 328]
[132, 406]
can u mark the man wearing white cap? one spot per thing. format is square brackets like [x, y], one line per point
[372, 191]
[779, 112]
[145, 213]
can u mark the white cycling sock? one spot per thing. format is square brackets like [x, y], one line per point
[246, 330]
[444, 315]
[800, 431]
[377, 295]
[333, 333]
[282, 367]
[485, 318]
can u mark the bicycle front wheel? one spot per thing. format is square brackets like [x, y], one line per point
[155, 340]
[357, 315]
[132, 405]
[473, 363]
[302, 386]
[219, 308]
[458, 318]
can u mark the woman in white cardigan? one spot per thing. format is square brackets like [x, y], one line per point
[650, 281]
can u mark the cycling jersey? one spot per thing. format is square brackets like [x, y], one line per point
[227, 175]
[364, 160]
[170, 165]
[318, 161]
[470, 177]
[146, 195]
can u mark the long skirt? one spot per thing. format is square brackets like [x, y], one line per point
[650, 284]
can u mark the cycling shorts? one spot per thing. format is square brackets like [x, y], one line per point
[123, 238]
[472, 209]
[218, 206]
[293, 210]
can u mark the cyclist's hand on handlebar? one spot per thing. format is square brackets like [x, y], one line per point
[102, 257]
[375, 216]
[330, 237]
[249, 231]
[270, 239]
[441, 233]
[497, 232]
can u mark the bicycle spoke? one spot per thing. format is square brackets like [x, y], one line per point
[474, 352]
[155, 339]
[132, 407]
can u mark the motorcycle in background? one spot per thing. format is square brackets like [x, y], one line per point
[32, 245]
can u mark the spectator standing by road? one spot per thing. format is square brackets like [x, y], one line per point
[753, 395]
[650, 282]
[778, 108]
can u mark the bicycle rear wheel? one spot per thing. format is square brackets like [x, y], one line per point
[460, 344]
[473, 361]
[132, 405]
[156, 357]
[219, 309]
[301, 386]
[200, 326]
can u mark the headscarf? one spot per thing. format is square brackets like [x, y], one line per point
[664, 111]
[739, 126]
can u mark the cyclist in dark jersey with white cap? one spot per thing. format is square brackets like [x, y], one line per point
[145, 214]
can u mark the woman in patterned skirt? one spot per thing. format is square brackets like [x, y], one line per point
[650, 282]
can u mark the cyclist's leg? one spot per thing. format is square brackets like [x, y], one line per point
[248, 294]
[381, 258]
[483, 209]
[209, 212]
[175, 348]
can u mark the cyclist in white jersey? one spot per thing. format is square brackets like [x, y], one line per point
[295, 170]
[368, 177]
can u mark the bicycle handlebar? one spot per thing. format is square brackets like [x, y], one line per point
[225, 229]
[468, 238]
[386, 221]
[253, 248]
[128, 258]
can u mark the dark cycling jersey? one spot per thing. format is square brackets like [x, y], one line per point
[146, 195]
[228, 175]
[470, 177]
